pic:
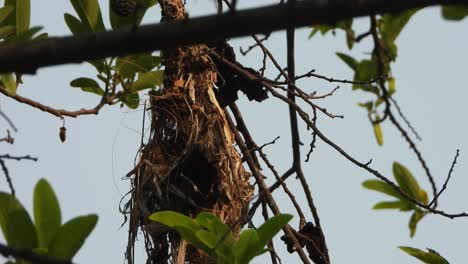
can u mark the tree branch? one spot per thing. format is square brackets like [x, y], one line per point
[76, 49]
[28, 255]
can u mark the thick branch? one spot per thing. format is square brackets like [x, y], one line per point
[28, 56]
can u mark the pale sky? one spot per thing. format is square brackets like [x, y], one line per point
[430, 73]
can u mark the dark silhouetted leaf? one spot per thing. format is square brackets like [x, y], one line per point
[456, 13]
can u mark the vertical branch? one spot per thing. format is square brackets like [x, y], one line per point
[388, 113]
[295, 131]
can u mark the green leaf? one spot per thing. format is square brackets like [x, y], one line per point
[214, 225]
[455, 13]
[217, 234]
[367, 105]
[430, 257]
[185, 225]
[74, 24]
[401, 205]
[392, 25]
[89, 13]
[407, 182]
[148, 80]
[47, 215]
[120, 22]
[7, 31]
[9, 81]
[5, 12]
[16, 224]
[415, 218]
[87, 85]
[391, 86]
[128, 66]
[23, 14]
[71, 236]
[350, 61]
[378, 133]
[365, 71]
[28, 34]
[247, 247]
[381, 186]
[11, 17]
[271, 227]
[132, 100]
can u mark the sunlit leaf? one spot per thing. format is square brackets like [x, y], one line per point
[426, 257]
[9, 81]
[378, 133]
[413, 222]
[381, 186]
[406, 181]
[401, 205]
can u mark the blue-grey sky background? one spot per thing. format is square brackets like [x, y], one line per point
[430, 73]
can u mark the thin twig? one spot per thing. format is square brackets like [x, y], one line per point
[250, 48]
[7, 177]
[304, 116]
[9, 121]
[312, 73]
[18, 158]
[8, 138]
[447, 180]
[59, 112]
[407, 122]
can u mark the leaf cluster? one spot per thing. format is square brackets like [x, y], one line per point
[408, 184]
[123, 77]
[208, 233]
[46, 235]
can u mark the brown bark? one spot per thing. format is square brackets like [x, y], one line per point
[189, 164]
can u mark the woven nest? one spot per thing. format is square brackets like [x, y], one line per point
[189, 164]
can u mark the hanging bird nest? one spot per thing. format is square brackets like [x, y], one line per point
[189, 164]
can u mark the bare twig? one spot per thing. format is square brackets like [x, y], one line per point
[246, 51]
[312, 73]
[447, 180]
[59, 112]
[364, 166]
[8, 138]
[7, 177]
[12, 125]
[18, 158]
[407, 122]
